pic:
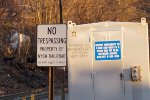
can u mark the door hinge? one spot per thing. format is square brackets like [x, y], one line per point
[92, 74]
[121, 75]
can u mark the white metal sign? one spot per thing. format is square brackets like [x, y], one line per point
[51, 45]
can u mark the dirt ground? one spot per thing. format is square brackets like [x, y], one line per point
[16, 77]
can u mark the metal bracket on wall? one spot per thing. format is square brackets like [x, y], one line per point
[74, 34]
[143, 21]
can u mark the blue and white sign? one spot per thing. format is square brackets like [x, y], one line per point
[107, 50]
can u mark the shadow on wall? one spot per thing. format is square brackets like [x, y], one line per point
[106, 85]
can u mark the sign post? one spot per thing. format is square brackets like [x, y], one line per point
[51, 49]
[51, 84]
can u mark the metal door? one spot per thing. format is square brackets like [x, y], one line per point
[108, 69]
[79, 65]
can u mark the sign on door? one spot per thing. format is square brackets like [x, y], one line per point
[107, 50]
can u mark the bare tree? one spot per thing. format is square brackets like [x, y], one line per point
[86, 11]
[44, 11]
